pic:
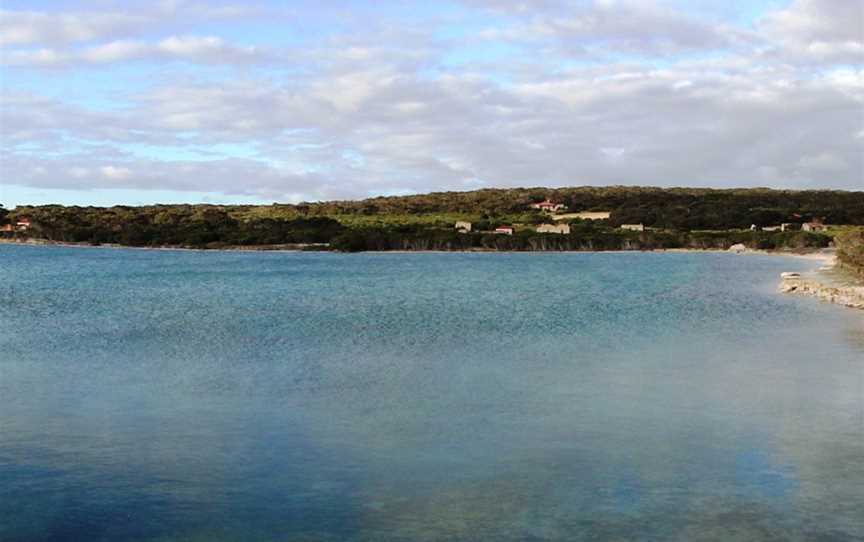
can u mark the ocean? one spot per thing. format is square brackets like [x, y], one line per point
[202, 396]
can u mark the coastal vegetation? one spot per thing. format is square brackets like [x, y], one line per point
[589, 238]
[672, 218]
[850, 249]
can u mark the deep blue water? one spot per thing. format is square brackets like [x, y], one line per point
[167, 396]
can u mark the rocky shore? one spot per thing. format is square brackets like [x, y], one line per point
[828, 284]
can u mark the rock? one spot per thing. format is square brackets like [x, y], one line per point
[849, 296]
[738, 248]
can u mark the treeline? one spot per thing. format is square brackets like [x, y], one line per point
[670, 208]
[172, 225]
[677, 217]
[207, 226]
[381, 239]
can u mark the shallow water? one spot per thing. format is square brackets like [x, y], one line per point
[148, 395]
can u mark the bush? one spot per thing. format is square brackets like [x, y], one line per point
[850, 249]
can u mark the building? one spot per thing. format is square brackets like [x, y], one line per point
[554, 228]
[786, 226]
[633, 227]
[463, 227]
[23, 224]
[7, 228]
[814, 226]
[547, 205]
[593, 215]
[504, 230]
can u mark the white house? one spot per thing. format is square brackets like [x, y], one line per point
[504, 230]
[554, 228]
[814, 226]
[463, 227]
[547, 205]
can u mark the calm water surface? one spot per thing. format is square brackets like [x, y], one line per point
[167, 396]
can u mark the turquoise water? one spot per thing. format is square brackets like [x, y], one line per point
[149, 395]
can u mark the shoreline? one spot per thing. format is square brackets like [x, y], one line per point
[820, 254]
[830, 283]
[287, 247]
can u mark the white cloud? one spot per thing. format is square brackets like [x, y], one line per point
[197, 49]
[818, 30]
[57, 28]
[825, 161]
[590, 127]
[114, 51]
[31, 27]
[209, 48]
[601, 27]
[818, 20]
[116, 173]
[386, 110]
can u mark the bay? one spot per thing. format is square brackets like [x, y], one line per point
[182, 395]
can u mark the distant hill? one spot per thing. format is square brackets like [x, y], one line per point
[677, 208]
[673, 217]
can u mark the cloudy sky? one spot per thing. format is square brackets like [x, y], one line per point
[187, 101]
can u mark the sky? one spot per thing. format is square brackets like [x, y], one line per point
[122, 102]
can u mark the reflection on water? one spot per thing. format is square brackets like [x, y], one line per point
[219, 396]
